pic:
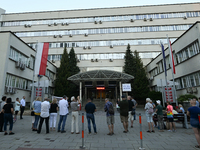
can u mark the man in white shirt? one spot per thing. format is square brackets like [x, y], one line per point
[63, 107]
[45, 106]
[23, 104]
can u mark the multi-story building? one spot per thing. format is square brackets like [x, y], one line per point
[186, 51]
[17, 66]
[100, 36]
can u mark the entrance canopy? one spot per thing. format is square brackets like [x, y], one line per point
[100, 75]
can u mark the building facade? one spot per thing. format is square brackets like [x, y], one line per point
[186, 52]
[17, 66]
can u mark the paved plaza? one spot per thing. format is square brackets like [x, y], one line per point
[25, 139]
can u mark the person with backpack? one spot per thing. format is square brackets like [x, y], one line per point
[149, 111]
[110, 116]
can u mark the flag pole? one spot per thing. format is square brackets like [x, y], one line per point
[170, 50]
[32, 90]
[164, 67]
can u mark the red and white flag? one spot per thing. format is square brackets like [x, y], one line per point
[41, 58]
[171, 56]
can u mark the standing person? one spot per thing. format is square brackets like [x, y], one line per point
[8, 116]
[1, 113]
[53, 114]
[149, 111]
[17, 108]
[37, 110]
[75, 107]
[63, 106]
[197, 102]
[124, 108]
[193, 112]
[110, 116]
[170, 117]
[159, 111]
[181, 109]
[45, 106]
[90, 108]
[135, 105]
[23, 104]
[130, 109]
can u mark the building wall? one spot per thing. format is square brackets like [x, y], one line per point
[188, 67]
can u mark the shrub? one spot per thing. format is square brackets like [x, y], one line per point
[186, 97]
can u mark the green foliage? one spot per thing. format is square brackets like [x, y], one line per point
[153, 95]
[134, 66]
[186, 97]
[61, 85]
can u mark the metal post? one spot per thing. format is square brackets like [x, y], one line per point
[141, 142]
[120, 90]
[80, 94]
[83, 145]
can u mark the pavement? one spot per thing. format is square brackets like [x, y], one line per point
[25, 139]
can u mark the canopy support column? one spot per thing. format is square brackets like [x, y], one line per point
[120, 90]
[80, 94]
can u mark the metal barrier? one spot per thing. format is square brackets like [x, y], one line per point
[141, 142]
[83, 145]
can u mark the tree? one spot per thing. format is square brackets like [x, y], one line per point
[62, 84]
[73, 69]
[134, 66]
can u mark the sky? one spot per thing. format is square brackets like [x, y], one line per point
[18, 6]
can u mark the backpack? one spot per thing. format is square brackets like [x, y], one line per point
[111, 109]
[150, 110]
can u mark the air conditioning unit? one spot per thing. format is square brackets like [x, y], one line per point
[194, 89]
[92, 60]
[29, 25]
[10, 90]
[63, 24]
[25, 25]
[111, 60]
[53, 61]
[6, 90]
[131, 20]
[77, 60]
[111, 46]
[14, 90]
[86, 34]
[185, 17]
[145, 19]
[49, 24]
[100, 22]
[70, 35]
[95, 22]
[55, 23]
[55, 36]
[67, 23]
[151, 19]
[189, 90]
[151, 78]
[89, 47]
[96, 60]
[23, 66]
[60, 36]
[17, 64]
[84, 47]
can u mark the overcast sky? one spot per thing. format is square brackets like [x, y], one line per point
[15, 6]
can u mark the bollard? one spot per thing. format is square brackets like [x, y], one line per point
[83, 146]
[199, 117]
[140, 121]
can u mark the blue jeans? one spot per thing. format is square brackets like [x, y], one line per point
[91, 117]
[8, 118]
[37, 117]
[62, 120]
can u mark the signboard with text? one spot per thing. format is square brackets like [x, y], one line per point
[126, 87]
[169, 94]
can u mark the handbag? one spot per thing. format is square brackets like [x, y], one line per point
[133, 112]
[150, 110]
[32, 113]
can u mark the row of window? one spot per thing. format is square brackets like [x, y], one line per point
[17, 82]
[103, 56]
[107, 18]
[186, 53]
[49, 74]
[107, 43]
[108, 30]
[18, 56]
[188, 81]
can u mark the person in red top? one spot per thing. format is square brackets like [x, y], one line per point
[170, 117]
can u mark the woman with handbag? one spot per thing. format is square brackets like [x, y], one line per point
[37, 110]
[17, 108]
[149, 111]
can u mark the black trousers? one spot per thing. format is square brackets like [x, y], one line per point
[1, 121]
[41, 122]
[21, 111]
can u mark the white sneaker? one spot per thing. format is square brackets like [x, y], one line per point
[169, 130]
[174, 130]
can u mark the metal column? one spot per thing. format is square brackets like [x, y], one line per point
[120, 90]
[81, 93]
